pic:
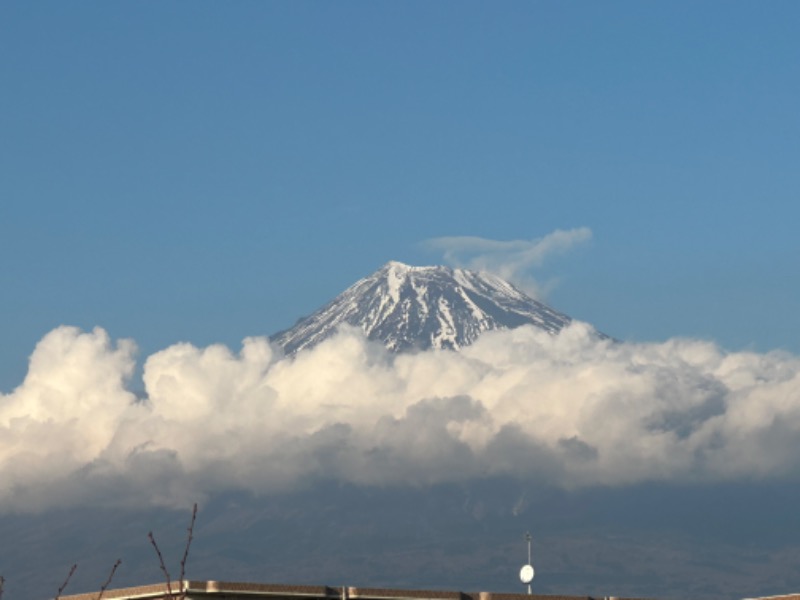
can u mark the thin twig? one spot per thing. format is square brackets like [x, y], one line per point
[110, 577]
[189, 538]
[66, 581]
[2, 584]
[161, 561]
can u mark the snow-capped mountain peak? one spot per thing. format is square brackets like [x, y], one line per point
[409, 308]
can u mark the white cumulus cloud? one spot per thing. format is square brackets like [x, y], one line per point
[569, 410]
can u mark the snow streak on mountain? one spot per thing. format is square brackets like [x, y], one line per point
[418, 308]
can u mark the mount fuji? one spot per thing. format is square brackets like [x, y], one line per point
[418, 308]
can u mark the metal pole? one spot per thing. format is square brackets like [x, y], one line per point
[528, 539]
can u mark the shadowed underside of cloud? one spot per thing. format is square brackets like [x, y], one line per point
[569, 410]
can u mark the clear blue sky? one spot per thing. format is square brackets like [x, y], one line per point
[205, 171]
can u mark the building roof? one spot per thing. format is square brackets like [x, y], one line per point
[784, 597]
[237, 590]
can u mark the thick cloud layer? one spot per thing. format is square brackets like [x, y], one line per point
[568, 410]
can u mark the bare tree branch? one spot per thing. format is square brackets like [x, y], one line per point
[161, 561]
[189, 538]
[2, 583]
[66, 581]
[108, 581]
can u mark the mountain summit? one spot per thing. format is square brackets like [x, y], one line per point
[418, 308]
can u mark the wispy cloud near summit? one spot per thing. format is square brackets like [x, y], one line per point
[512, 260]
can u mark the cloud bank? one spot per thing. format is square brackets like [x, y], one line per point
[567, 410]
[510, 260]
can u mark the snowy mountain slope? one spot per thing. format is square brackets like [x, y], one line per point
[410, 308]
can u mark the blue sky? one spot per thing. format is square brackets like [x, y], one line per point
[206, 171]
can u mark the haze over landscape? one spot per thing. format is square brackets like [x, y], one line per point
[609, 356]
